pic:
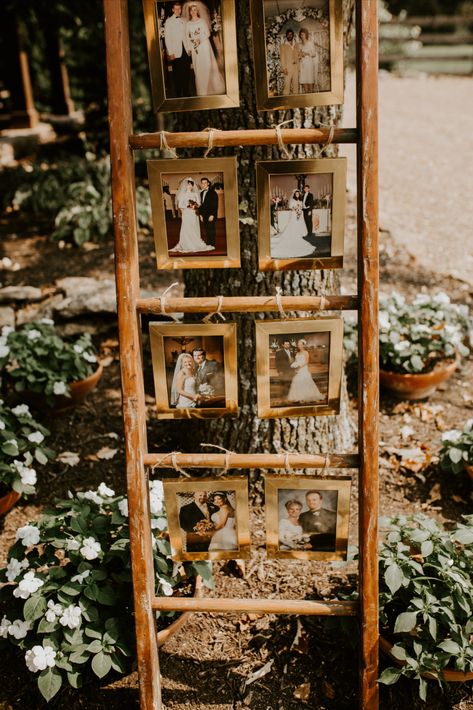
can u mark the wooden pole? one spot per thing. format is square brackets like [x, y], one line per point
[263, 136]
[263, 606]
[127, 280]
[247, 304]
[368, 359]
[287, 461]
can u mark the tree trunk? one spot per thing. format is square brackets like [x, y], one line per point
[249, 433]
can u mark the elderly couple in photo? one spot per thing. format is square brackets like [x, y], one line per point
[294, 374]
[188, 48]
[197, 207]
[209, 522]
[195, 380]
[299, 62]
[313, 529]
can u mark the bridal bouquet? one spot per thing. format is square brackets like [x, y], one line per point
[193, 205]
[204, 527]
[206, 390]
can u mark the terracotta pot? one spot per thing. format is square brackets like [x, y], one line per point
[165, 634]
[416, 386]
[8, 501]
[469, 470]
[450, 676]
[79, 391]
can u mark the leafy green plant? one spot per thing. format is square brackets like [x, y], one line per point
[21, 446]
[426, 597]
[69, 601]
[457, 448]
[36, 359]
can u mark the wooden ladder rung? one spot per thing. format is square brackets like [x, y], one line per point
[264, 606]
[248, 304]
[286, 461]
[262, 136]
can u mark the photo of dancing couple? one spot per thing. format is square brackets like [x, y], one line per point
[195, 213]
[299, 367]
[301, 213]
[194, 369]
[192, 54]
[208, 519]
[307, 518]
[299, 48]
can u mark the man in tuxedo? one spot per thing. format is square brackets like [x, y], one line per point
[208, 210]
[319, 523]
[179, 62]
[284, 360]
[289, 60]
[307, 207]
[209, 374]
[193, 513]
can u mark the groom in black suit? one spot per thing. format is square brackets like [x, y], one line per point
[307, 207]
[284, 360]
[193, 513]
[208, 210]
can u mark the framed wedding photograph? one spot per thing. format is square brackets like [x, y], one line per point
[301, 213]
[306, 517]
[194, 205]
[208, 519]
[192, 54]
[298, 52]
[194, 369]
[299, 367]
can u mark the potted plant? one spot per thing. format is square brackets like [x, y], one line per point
[37, 361]
[456, 454]
[68, 597]
[426, 600]
[21, 447]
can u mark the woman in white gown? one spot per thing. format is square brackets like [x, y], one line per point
[188, 201]
[303, 387]
[290, 243]
[208, 78]
[225, 535]
[291, 535]
[183, 390]
[307, 62]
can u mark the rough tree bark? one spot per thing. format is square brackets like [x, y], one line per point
[249, 433]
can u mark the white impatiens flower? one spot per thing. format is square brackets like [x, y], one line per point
[33, 334]
[104, 491]
[71, 617]
[2, 425]
[39, 658]
[4, 350]
[72, 544]
[28, 534]
[27, 586]
[21, 410]
[54, 610]
[4, 626]
[441, 298]
[89, 357]
[14, 567]
[78, 349]
[166, 588]
[79, 578]
[156, 497]
[453, 435]
[402, 345]
[19, 628]
[90, 548]
[36, 437]
[6, 330]
[46, 321]
[468, 425]
[59, 388]
[27, 475]
[123, 507]
[92, 495]
[384, 321]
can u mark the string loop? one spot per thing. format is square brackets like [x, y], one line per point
[226, 462]
[218, 312]
[282, 147]
[162, 301]
[164, 145]
[173, 456]
[278, 299]
[328, 142]
[210, 144]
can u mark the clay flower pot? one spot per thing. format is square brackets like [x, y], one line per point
[8, 501]
[167, 633]
[79, 390]
[450, 676]
[416, 386]
[469, 470]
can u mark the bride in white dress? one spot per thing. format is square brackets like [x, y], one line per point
[303, 387]
[290, 244]
[188, 201]
[208, 78]
[183, 390]
[225, 535]
[307, 62]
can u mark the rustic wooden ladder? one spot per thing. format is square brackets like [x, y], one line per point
[130, 306]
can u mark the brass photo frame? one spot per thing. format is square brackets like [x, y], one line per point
[192, 82]
[194, 509]
[214, 391]
[167, 178]
[306, 380]
[281, 79]
[322, 245]
[307, 518]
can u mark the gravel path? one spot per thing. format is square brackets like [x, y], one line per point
[426, 168]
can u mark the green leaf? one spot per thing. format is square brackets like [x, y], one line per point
[423, 689]
[426, 548]
[433, 627]
[405, 622]
[394, 577]
[71, 588]
[40, 457]
[34, 607]
[389, 676]
[47, 627]
[450, 646]
[95, 646]
[49, 682]
[79, 657]
[399, 652]
[455, 455]
[75, 679]
[463, 536]
[101, 664]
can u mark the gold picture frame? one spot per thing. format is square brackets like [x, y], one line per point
[288, 387]
[190, 521]
[166, 181]
[278, 182]
[320, 532]
[283, 71]
[214, 392]
[174, 76]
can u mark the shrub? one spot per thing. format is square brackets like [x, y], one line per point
[457, 448]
